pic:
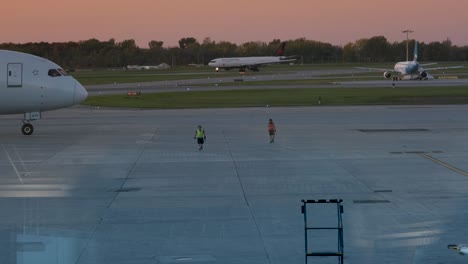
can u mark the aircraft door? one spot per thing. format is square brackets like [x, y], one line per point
[15, 75]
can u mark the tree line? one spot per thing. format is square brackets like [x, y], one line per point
[93, 53]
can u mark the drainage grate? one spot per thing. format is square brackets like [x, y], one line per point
[381, 191]
[130, 189]
[370, 201]
[393, 130]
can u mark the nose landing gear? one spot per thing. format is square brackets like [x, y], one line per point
[27, 128]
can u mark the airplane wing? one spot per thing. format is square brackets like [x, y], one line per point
[280, 60]
[377, 69]
[443, 68]
[427, 64]
[289, 58]
[256, 64]
[388, 73]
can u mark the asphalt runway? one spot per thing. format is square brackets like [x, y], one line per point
[130, 186]
[245, 82]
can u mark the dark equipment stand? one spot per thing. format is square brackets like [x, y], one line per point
[339, 228]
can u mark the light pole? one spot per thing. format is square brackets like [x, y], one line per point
[407, 40]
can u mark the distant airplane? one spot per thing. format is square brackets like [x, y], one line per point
[162, 66]
[252, 63]
[410, 69]
[461, 249]
[31, 85]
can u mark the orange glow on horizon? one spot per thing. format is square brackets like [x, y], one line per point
[236, 21]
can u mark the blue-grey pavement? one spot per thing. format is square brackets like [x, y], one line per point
[130, 186]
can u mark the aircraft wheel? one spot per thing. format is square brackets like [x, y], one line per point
[27, 129]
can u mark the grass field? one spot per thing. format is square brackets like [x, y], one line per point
[287, 97]
[121, 76]
[110, 76]
[315, 81]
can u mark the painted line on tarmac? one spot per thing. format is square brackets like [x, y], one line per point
[13, 164]
[448, 166]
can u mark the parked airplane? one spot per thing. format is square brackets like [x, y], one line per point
[410, 69]
[252, 63]
[31, 85]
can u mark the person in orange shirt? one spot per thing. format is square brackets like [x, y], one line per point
[271, 130]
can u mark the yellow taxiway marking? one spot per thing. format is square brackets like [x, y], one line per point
[448, 166]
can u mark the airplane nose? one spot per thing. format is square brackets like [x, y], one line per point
[80, 93]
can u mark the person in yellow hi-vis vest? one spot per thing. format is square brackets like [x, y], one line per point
[200, 135]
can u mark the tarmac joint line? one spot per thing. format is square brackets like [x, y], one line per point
[446, 165]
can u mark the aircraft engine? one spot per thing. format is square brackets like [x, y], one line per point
[253, 68]
[387, 75]
[423, 74]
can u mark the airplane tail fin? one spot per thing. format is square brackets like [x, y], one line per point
[415, 51]
[280, 50]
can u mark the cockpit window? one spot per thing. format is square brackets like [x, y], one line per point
[213, 61]
[54, 73]
[63, 72]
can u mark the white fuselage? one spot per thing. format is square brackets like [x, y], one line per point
[242, 62]
[32, 84]
[407, 67]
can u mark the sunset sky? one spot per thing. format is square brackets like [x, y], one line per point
[336, 22]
